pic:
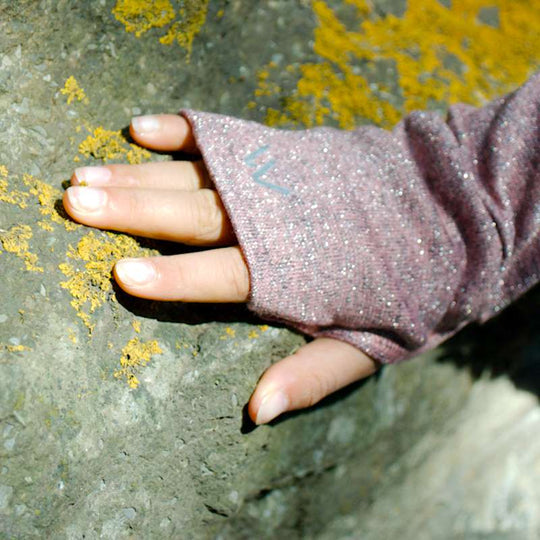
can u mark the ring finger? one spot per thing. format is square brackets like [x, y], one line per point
[187, 175]
[214, 275]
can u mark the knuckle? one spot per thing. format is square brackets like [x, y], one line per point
[134, 207]
[236, 277]
[319, 386]
[208, 216]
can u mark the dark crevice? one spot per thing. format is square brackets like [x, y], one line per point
[289, 481]
[213, 510]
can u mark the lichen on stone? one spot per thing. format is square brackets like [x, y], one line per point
[89, 272]
[135, 355]
[191, 19]
[14, 348]
[16, 241]
[230, 333]
[438, 55]
[105, 145]
[48, 197]
[11, 196]
[44, 194]
[73, 91]
[140, 16]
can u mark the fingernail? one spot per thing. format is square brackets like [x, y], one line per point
[135, 271]
[86, 199]
[145, 124]
[272, 406]
[92, 176]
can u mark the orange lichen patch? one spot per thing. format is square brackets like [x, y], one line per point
[16, 241]
[14, 348]
[105, 145]
[73, 91]
[439, 54]
[11, 196]
[253, 334]
[48, 196]
[89, 276]
[45, 195]
[139, 16]
[229, 333]
[191, 19]
[135, 355]
[137, 154]
[72, 335]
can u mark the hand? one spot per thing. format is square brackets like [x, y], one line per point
[175, 201]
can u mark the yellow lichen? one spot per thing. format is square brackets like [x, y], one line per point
[439, 55]
[15, 348]
[16, 197]
[72, 335]
[137, 154]
[135, 355]
[253, 334]
[191, 20]
[45, 225]
[105, 144]
[136, 326]
[229, 333]
[139, 16]
[48, 198]
[16, 241]
[89, 275]
[73, 91]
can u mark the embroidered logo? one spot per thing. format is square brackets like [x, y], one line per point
[261, 170]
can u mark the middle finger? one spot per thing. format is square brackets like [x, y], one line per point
[196, 218]
[186, 175]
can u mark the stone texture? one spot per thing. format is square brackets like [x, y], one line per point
[445, 446]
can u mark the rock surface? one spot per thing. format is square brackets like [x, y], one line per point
[156, 445]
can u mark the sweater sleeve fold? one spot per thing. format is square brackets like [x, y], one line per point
[390, 241]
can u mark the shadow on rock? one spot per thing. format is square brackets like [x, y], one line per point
[508, 345]
[186, 313]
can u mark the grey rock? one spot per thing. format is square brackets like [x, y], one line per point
[445, 446]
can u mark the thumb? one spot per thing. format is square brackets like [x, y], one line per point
[313, 372]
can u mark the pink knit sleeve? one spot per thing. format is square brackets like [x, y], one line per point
[390, 241]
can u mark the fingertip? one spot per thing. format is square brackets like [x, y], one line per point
[165, 132]
[313, 372]
[133, 273]
[271, 397]
[272, 405]
[66, 204]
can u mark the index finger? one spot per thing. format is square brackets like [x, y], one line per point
[165, 132]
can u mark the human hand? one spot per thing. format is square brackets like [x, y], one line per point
[175, 201]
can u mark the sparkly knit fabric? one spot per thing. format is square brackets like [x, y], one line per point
[390, 241]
